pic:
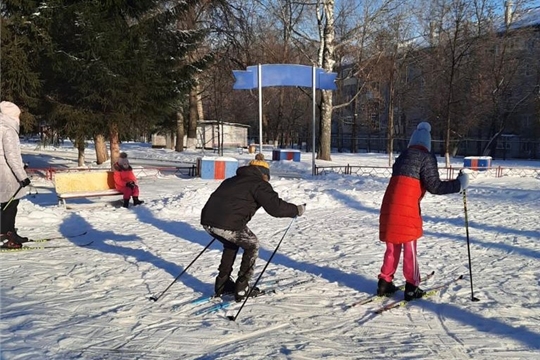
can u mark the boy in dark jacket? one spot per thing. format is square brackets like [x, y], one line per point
[225, 217]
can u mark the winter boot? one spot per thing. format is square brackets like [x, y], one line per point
[126, 203]
[242, 290]
[8, 241]
[413, 292]
[136, 201]
[20, 239]
[224, 286]
[385, 288]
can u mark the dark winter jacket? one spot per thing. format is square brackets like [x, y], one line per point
[236, 200]
[414, 172]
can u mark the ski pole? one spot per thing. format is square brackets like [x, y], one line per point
[233, 318]
[156, 298]
[468, 244]
[12, 198]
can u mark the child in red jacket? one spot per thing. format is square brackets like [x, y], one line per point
[400, 223]
[125, 181]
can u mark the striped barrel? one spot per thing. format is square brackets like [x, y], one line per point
[481, 163]
[218, 168]
[286, 154]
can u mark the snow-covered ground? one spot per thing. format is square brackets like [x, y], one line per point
[93, 302]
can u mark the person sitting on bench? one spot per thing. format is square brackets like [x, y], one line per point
[125, 180]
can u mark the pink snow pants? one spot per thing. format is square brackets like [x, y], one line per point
[129, 192]
[411, 272]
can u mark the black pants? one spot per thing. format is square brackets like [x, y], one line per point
[8, 216]
[232, 240]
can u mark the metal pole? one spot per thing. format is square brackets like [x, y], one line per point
[233, 318]
[314, 115]
[156, 298]
[12, 198]
[468, 243]
[259, 82]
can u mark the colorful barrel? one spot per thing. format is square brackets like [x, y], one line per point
[480, 163]
[218, 168]
[286, 154]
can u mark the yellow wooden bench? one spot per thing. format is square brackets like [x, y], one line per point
[82, 184]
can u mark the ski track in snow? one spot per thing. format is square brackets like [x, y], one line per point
[92, 303]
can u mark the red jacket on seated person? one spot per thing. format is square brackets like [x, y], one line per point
[125, 180]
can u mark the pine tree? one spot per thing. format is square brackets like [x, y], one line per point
[115, 65]
[21, 41]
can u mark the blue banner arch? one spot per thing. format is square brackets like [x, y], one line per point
[283, 75]
[268, 75]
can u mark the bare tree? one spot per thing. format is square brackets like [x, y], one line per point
[506, 81]
[325, 60]
[357, 26]
[453, 30]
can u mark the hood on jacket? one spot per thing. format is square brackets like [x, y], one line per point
[10, 109]
[10, 115]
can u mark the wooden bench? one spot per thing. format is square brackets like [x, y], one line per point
[83, 184]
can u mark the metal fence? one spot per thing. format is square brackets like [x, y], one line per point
[444, 172]
[373, 171]
[185, 171]
[507, 147]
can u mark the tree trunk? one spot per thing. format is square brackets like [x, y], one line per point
[354, 136]
[101, 149]
[326, 60]
[326, 126]
[447, 141]
[390, 146]
[114, 142]
[192, 125]
[179, 146]
[200, 110]
[80, 152]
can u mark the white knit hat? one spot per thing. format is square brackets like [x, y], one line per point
[422, 136]
[10, 109]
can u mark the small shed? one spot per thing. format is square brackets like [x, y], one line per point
[211, 134]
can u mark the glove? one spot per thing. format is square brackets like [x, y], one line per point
[25, 182]
[463, 180]
[130, 185]
[301, 209]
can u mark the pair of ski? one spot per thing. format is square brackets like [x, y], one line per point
[398, 303]
[376, 297]
[429, 292]
[44, 240]
[228, 301]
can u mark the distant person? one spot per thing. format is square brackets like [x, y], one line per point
[13, 177]
[226, 214]
[125, 180]
[400, 224]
